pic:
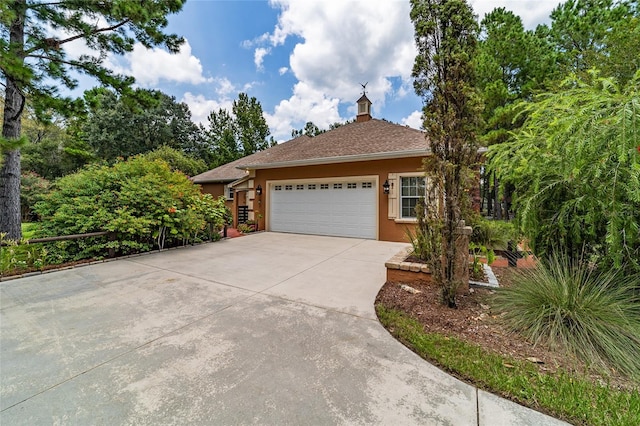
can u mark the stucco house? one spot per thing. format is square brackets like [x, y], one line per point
[360, 180]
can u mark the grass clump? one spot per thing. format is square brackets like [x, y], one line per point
[562, 395]
[594, 315]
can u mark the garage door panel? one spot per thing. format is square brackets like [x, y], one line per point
[338, 210]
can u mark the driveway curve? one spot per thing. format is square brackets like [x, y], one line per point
[265, 329]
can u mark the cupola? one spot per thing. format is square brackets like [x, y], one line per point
[364, 107]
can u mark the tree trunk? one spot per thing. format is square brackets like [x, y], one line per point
[14, 100]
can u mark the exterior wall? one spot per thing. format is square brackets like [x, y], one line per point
[216, 190]
[388, 229]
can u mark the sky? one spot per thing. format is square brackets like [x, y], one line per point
[304, 60]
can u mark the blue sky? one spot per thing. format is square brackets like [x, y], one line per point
[303, 60]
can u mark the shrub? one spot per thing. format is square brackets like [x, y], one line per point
[589, 313]
[143, 202]
[177, 160]
[493, 234]
[32, 188]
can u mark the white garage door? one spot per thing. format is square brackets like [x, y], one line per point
[345, 208]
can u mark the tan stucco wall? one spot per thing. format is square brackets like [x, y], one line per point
[388, 229]
[216, 190]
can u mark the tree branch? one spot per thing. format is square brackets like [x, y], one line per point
[59, 60]
[98, 30]
[55, 44]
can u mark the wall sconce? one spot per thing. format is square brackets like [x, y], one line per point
[386, 186]
[259, 190]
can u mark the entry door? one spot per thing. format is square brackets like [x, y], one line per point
[344, 208]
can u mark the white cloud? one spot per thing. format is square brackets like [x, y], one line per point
[343, 44]
[149, 66]
[413, 120]
[306, 104]
[258, 56]
[347, 43]
[225, 87]
[201, 107]
[532, 12]
[283, 70]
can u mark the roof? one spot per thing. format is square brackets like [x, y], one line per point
[225, 173]
[370, 140]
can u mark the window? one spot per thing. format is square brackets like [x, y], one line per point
[324, 186]
[352, 186]
[337, 186]
[230, 191]
[288, 187]
[278, 187]
[299, 187]
[311, 186]
[366, 185]
[411, 190]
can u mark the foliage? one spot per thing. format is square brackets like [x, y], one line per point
[32, 189]
[142, 202]
[477, 251]
[244, 133]
[310, 129]
[177, 160]
[569, 304]
[576, 169]
[34, 64]
[571, 397]
[493, 234]
[596, 34]
[446, 37]
[245, 228]
[117, 127]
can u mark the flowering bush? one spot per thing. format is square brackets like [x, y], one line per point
[144, 203]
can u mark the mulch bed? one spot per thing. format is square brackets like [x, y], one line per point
[474, 321]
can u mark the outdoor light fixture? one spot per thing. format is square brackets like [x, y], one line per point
[259, 190]
[385, 186]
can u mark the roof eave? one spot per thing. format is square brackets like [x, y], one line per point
[220, 180]
[340, 159]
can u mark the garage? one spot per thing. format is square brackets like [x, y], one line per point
[337, 207]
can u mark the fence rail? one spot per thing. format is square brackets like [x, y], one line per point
[60, 238]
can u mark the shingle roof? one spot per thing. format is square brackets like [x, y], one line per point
[225, 173]
[373, 139]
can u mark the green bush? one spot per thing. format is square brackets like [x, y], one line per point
[589, 313]
[177, 160]
[32, 188]
[144, 203]
[493, 234]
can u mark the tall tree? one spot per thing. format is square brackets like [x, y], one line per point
[116, 127]
[34, 62]
[586, 34]
[222, 134]
[235, 136]
[251, 124]
[310, 129]
[446, 37]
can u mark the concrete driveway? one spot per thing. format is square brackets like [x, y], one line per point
[265, 329]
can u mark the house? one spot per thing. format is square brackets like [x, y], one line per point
[360, 180]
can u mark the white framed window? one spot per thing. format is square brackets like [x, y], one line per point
[288, 187]
[311, 186]
[352, 185]
[324, 186]
[277, 187]
[229, 192]
[299, 187]
[367, 185]
[337, 186]
[412, 189]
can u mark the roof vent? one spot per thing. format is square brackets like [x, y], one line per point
[364, 106]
